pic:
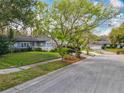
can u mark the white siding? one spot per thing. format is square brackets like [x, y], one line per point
[45, 45]
[22, 45]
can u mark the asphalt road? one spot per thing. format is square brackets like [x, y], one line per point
[101, 74]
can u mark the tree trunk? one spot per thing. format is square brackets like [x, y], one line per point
[87, 50]
[78, 55]
[87, 46]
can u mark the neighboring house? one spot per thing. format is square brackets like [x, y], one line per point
[98, 45]
[103, 42]
[33, 43]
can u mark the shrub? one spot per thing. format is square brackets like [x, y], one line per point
[62, 51]
[53, 50]
[4, 46]
[37, 49]
[115, 46]
[22, 50]
[104, 46]
[109, 46]
[121, 46]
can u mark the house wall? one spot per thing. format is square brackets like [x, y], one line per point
[49, 45]
[22, 45]
[44, 45]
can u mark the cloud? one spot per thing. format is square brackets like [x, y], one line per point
[117, 3]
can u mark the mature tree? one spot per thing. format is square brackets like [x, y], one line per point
[77, 42]
[14, 13]
[93, 16]
[68, 20]
[117, 35]
[18, 12]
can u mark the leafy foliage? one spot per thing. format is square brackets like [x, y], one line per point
[16, 14]
[62, 51]
[117, 35]
[71, 22]
[16, 10]
[4, 46]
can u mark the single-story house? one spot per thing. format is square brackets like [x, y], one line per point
[98, 45]
[42, 43]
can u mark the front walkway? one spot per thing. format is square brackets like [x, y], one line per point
[100, 74]
[11, 70]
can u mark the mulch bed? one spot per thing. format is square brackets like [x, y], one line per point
[72, 59]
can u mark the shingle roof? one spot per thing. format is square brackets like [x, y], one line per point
[30, 39]
[103, 42]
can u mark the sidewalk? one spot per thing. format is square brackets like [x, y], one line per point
[11, 70]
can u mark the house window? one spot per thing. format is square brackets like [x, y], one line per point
[24, 45]
[43, 43]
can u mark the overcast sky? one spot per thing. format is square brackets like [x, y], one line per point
[115, 22]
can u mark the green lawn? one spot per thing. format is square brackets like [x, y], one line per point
[25, 58]
[13, 79]
[116, 50]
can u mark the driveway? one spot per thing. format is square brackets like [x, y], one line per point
[101, 74]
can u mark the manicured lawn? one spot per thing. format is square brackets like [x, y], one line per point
[25, 58]
[13, 79]
[116, 50]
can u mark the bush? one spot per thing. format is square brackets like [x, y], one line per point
[112, 46]
[115, 46]
[109, 46]
[4, 46]
[104, 46]
[53, 50]
[121, 46]
[62, 51]
[37, 49]
[22, 49]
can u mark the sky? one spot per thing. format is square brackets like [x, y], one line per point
[106, 28]
[48, 1]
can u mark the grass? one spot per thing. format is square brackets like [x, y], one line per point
[25, 58]
[13, 79]
[116, 50]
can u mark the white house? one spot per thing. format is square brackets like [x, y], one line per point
[42, 43]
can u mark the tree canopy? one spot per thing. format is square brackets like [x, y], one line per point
[117, 35]
[71, 22]
[14, 13]
[19, 12]
[66, 22]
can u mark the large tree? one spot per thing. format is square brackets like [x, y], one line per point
[68, 20]
[117, 35]
[15, 12]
